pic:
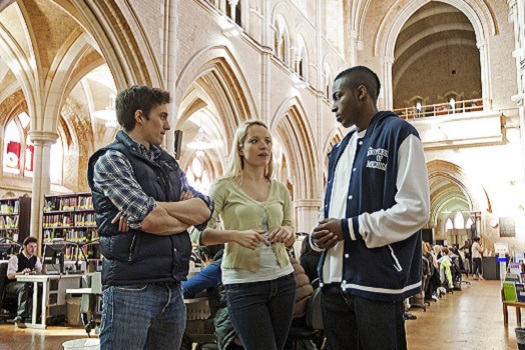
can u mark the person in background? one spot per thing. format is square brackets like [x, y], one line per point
[477, 254]
[23, 263]
[309, 259]
[376, 202]
[256, 214]
[143, 206]
[206, 282]
[467, 256]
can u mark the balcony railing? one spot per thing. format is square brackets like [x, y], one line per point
[442, 109]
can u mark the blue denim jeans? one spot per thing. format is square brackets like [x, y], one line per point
[261, 312]
[355, 323]
[142, 316]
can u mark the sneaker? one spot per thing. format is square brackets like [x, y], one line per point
[435, 297]
[19, 323]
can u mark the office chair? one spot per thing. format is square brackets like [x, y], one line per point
[313, 328]
[8, 305]
[89, 304]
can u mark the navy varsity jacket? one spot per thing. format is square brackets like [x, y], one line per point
[382, 257]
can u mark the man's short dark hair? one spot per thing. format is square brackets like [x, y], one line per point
[135, 98]
[361, 75]
[211, 250]
[476, 239]
[30, 239]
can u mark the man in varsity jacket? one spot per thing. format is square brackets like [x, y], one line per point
[22, 263]
[376, 202]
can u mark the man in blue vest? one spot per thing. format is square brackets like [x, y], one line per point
[25, 262]
[143, 206]
[376, 202]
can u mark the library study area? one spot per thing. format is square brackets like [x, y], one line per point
[69, 286]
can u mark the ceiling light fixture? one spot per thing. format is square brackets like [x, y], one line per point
[200, 142]
[108, 114]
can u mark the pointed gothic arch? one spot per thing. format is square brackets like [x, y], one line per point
[477, 11]
[293, 128]
[465, 187]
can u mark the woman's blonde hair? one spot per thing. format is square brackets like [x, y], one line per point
[236, 163]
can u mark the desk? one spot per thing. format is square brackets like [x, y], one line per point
[50, 296]
[197, 308]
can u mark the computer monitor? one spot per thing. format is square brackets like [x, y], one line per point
[54, 255]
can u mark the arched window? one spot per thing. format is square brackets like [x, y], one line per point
[468, 223]
[29, 157]
[301, 58]
[449, 225]
[459, 221]
[328, 81]
[197, 175]
[16, 147]
[19, 150]
[281, 41]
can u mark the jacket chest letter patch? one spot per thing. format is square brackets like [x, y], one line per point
[378, 156]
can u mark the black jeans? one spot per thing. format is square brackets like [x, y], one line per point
[352, 322]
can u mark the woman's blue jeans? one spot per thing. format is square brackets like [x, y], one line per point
[261, 312]
[142, 316]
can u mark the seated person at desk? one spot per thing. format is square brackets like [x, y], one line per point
[209, 280]
[25, 262]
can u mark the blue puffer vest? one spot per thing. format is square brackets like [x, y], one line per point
[136, 256]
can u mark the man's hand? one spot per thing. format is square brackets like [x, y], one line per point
[250, 238]
[186, 195]
[327, 233]
[122, 222]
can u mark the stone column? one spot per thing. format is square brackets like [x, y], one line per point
[171, 47]
[233, 9]
[486, 88]
[41, 179]
[353, 47]
[388, 98]
[517, 16]
[307, 214]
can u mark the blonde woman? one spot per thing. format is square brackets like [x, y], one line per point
[255, 212]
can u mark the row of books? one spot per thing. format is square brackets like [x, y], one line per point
[89, 252]
[10, 207]
[68, 203]
[7, 222]
[68, 220]
[71, 235]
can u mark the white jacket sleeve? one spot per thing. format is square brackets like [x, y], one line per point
[412, 209]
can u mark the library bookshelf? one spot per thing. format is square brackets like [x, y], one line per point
[71, 218]
[15, 218]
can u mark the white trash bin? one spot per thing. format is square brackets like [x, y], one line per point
[82, 344]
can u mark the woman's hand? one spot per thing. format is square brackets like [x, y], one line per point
[282, 234]
[250, 239]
